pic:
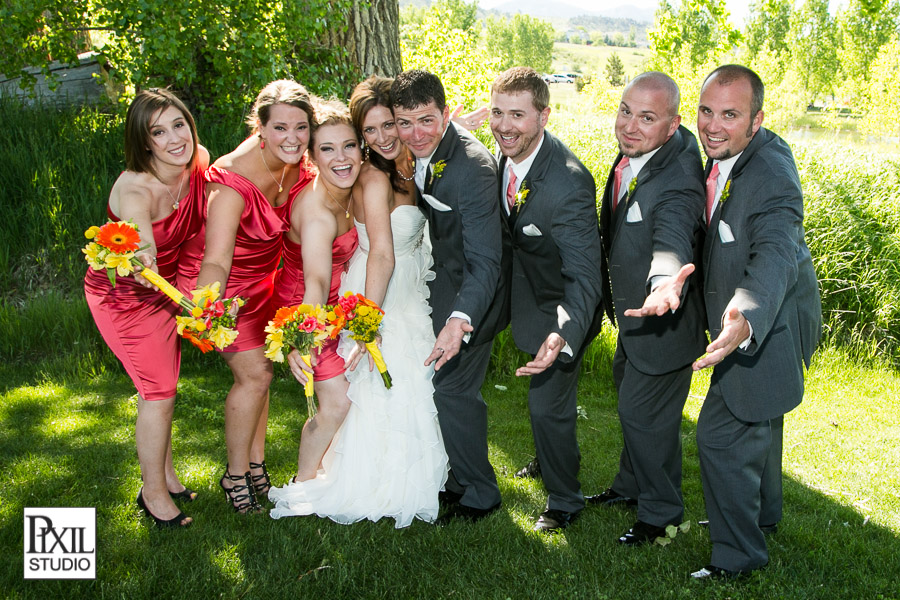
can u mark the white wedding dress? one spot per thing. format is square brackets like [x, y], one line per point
[387, 459]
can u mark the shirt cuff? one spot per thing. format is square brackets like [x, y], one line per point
[746, 343]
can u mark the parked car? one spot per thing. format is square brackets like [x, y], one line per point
[563, 78]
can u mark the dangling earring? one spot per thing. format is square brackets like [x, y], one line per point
[365, 151]
[262, 142]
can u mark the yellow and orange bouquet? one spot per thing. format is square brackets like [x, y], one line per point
[361, 317]
[214, 326]
[207, 321]
[303, 327]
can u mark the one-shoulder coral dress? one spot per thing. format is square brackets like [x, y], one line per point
[138, 323]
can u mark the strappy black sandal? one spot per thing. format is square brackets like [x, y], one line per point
[261, 483]
[177, 521]
[241, 497]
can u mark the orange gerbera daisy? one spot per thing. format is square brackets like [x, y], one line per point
[283, 314]
[119, 237]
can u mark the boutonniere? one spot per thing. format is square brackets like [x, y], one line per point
[726, 191]
[631, 185]
[521, 195]
[437, 169]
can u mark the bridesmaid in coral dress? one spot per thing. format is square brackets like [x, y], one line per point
[322, 230]
[251, 191]
[162, 192]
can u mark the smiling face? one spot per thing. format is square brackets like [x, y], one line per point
[337, 154]
[286, 134]
[170, 141]
[644, 122]
[422, 127]
[724, 118]
[380, 132]
[516, 124]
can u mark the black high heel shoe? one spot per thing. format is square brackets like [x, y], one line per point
[241, 497]
[186, 495]
[260, 489]
[178, 521]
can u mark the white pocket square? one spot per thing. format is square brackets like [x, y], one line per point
[725, 233]
[435, 203]
[532, 230]
[634, 213]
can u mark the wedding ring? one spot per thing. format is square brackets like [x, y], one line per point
[441, 350]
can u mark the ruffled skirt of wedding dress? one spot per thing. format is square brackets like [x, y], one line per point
[388, 458]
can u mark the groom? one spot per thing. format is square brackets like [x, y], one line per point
[457, 181]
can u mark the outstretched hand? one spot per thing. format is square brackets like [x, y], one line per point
[545, 356]
[471, 121]
[666, 297]
[356, 354]
[735, 329]
[448, 342]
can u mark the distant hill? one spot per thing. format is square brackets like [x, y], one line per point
[543, 9]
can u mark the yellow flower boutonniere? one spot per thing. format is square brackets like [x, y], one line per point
[726, 191]
[437, 169]
[521, 195]
[631, 185]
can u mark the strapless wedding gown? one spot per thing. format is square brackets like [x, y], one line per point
[387, 459]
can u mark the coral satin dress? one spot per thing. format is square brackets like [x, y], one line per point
[257, 252]
[138, 323]
[289, 289]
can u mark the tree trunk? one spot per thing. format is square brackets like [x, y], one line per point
[372, 38]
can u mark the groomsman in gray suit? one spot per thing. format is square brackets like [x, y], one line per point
[548, 198]
[652, 236]
[457, 181]
[764, 317]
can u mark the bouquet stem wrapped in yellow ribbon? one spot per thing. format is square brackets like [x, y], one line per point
[362, 317]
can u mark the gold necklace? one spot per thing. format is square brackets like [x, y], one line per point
[269, 171]
[176, 200]
[333, 199]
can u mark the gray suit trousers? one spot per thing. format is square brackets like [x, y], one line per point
[462, 414]
[650, 409]
[553, 406]
[738, 466]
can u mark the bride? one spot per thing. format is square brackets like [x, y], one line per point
[387, 458]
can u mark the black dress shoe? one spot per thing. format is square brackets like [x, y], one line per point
[712, 572]
[449, 498]
[610, 497]
[530, 471]
[462, 512]
[641, 533]
[766, 529]
[555, 520]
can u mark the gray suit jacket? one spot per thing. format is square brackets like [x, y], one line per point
[467, 239]
[766, 272]
[656, 230]
[556, 252]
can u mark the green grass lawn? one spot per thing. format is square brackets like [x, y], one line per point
[578, 58]
[68, 441]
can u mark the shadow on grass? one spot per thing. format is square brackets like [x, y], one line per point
[71, 444]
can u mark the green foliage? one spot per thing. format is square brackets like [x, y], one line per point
[461, 15]
[615, 70]
[768, 28]
[813, 52]
[521, 41]
[454, 55]
[883, 117]
[698, 32]
[216, 54]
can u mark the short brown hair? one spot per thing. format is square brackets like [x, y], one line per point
[330, 112]
[281, 91]
[145, 105]
[523, 79]
[727, 74]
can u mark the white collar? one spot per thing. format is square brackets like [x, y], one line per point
[521, 168]
[636, 164]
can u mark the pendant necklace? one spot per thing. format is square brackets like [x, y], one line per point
[176, 200]
[333, 199]
[269, 171]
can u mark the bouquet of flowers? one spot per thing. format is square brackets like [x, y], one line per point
[214, 326]
[302, 327]
[361, 317]
[207, 320]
